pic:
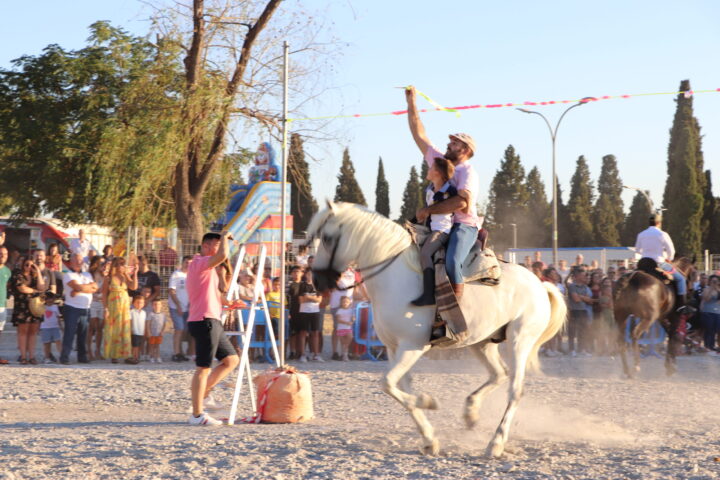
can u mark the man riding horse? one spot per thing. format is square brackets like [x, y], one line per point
[466, 223]
[655, 244]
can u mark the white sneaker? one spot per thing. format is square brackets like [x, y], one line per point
[152, 360]
[158, 360]
[303, 359]
[573, 353]
[586, 354]
[204, 419]
[211, 404]
[345, 358]
[318, 358]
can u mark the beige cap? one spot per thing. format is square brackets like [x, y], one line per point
[465, 138]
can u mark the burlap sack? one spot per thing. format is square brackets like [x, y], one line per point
[287, 398]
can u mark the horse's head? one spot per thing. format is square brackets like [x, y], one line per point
[329, 259]
[351, 233]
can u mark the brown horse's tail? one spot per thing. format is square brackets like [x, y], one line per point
[558, 315]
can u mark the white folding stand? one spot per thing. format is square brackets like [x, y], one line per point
[246, 335]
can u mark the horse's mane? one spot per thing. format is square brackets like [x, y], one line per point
[684, 264]
[361, 224]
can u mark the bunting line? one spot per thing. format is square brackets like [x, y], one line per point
[456, 110]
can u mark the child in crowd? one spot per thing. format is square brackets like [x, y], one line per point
[138, 327]
[146, 293]
[155, 328]
[440, 224]
[274, 296]
[345, 319]
[50, 329]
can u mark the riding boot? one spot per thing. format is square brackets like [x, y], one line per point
[428, 295]
[458, 289]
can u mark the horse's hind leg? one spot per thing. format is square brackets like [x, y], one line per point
[489, 355]
[521, 347]
[403, 360]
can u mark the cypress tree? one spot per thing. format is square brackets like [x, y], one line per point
[580, 206]
[608, 215]
[302, 203]
[539, 218]
[348, 189]
[382, 191]
[636, 220]
[709, 209]
[411, 198]
[508, 201]
[683, 197]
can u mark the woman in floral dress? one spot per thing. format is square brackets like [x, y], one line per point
[116, 333]
[25, 282]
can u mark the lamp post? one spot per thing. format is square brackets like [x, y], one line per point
[514, 225]
[553, 136]
[646, 194]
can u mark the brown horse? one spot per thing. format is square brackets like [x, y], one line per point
[647, 297]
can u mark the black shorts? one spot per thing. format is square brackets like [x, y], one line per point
[136, 340]
[310, 322]
[210, 341]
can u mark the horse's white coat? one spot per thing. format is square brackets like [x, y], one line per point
[533, 311]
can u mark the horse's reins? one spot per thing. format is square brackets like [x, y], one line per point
[387, 262]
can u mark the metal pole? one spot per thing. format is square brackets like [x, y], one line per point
[555, 210]
[283, 207]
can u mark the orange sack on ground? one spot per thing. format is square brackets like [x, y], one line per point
[284, 396]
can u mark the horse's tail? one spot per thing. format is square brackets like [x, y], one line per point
[558, 315]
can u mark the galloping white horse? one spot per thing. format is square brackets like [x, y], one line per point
[533, 312]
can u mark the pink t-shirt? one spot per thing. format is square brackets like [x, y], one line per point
[203, 292]
[465, 178]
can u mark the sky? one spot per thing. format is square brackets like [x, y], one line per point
[477, 52]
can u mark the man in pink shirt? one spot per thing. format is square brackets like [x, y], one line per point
[466, 223]
[205, 327]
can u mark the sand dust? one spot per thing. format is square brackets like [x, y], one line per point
[579, 420]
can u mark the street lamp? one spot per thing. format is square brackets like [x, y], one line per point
[514, 225]
[646, 194]
[553, 136]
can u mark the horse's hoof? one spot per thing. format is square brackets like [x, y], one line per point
[425, 401]
[495, 449]
[670, 370]
[471, 419]
[433, 448]
[637, 368]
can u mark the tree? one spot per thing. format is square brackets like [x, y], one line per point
[711, 215]
[412, 197]
[580, 206]
[637, 219]
[508, 200]
[302, 203]
[608, 215]
[539, 219]
[683, 197]
[348, 189]
[382, 191]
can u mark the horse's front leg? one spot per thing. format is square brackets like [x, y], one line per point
[489, 355]
[671, 326]
[405, 357]
[636, 354]
[622, 341]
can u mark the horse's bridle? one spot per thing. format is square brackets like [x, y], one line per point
[330, 271]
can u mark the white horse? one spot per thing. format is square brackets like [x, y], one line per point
[532, 311]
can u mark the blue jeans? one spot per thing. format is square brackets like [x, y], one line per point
[76, 322]
[711, 323]
[680, 282]
[462, 238]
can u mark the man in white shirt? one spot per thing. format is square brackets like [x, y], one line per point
[78, 289]
[656, 244]
[178, 304]
[82, 246]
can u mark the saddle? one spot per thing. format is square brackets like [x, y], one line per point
[480, 266]
[651, 267]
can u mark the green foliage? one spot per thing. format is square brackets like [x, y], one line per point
[608, 215]
[382, 191]
[538, 226]
[711, 215]
[580, 206]
[302, 204]
[637, 219]
[412, 197]
[348, 189]
[508, 202]
[94, 135]
[683, 197]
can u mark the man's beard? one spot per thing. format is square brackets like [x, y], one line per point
[450, 155]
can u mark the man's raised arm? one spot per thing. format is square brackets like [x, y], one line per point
[416, 127]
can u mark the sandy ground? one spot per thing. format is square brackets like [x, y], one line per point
[579, 420]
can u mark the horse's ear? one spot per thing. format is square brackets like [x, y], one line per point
[330, 205]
